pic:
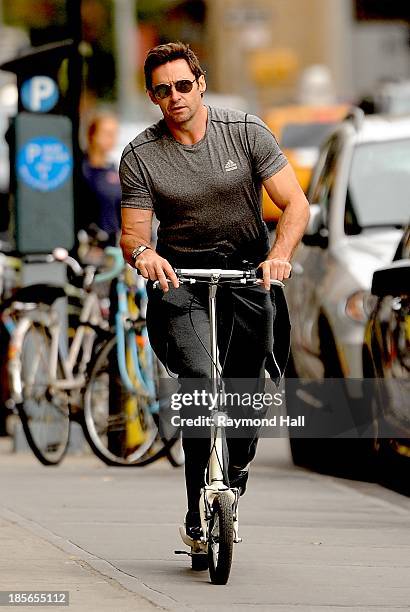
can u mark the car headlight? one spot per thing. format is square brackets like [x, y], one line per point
[359, 306]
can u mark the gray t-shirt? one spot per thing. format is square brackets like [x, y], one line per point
[207, 196]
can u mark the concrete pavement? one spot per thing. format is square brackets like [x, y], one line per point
[311, 543]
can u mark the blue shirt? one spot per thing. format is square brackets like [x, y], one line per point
[102, 196]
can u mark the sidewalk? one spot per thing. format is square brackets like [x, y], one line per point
[107, 535]
[30, 561]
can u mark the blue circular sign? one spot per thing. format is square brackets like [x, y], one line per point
[44, 163]
[39, 94]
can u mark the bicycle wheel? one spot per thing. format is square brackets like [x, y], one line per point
[220, 543]
[119, 425]
[170, 434]
[45, 417]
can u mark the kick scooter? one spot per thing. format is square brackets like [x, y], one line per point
[218, 504]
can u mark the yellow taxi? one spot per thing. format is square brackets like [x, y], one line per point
[300, 130]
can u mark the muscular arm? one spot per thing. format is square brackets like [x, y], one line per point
[285, 191]
[136, 230]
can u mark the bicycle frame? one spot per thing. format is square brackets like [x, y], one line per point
[90, 320]
[127, 346]
[9, 268]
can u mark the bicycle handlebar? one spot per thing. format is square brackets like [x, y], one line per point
[9, 261]
[61, 255]
[116, 254]
[89, 271]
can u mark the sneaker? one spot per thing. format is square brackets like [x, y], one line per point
[238, 478]
[193, 527]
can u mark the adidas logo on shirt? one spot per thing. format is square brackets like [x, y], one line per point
[230, 165]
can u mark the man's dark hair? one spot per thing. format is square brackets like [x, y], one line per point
[162, 54]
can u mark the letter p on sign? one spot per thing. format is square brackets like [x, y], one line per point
[39, 94]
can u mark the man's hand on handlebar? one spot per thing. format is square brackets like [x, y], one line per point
[274, 269]
[153, 266]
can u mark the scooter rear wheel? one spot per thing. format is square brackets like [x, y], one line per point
[199, 561]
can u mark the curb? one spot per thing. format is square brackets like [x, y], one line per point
[100, 565]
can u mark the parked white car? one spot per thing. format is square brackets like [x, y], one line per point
[360, 203]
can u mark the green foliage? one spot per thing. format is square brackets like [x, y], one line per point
[152, 10]
[34, 13]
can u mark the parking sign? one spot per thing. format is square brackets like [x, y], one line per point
[44, 200]
[39, 94]
[44, 163]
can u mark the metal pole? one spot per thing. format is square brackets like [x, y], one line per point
[73, 11]
[125, 27]
[213, 338]
[75, 67]
[217, 434]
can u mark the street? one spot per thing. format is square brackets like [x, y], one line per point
[108, 535]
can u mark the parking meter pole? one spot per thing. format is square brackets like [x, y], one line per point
[75, 73]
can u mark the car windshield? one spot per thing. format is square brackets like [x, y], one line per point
[305, 134]
[379, 185]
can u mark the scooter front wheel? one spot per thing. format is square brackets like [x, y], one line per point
[220, 542]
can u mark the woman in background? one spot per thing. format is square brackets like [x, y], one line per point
[101, 201]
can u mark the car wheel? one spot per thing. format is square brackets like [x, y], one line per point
[392, 454]
[345, 457]
[303, 449]
[394, 464]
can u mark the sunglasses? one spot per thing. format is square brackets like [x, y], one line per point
[164, 90]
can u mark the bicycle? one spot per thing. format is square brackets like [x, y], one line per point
[218, 504]
[121, 404]
[46, 379]
[47, 382]
[10, 268]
